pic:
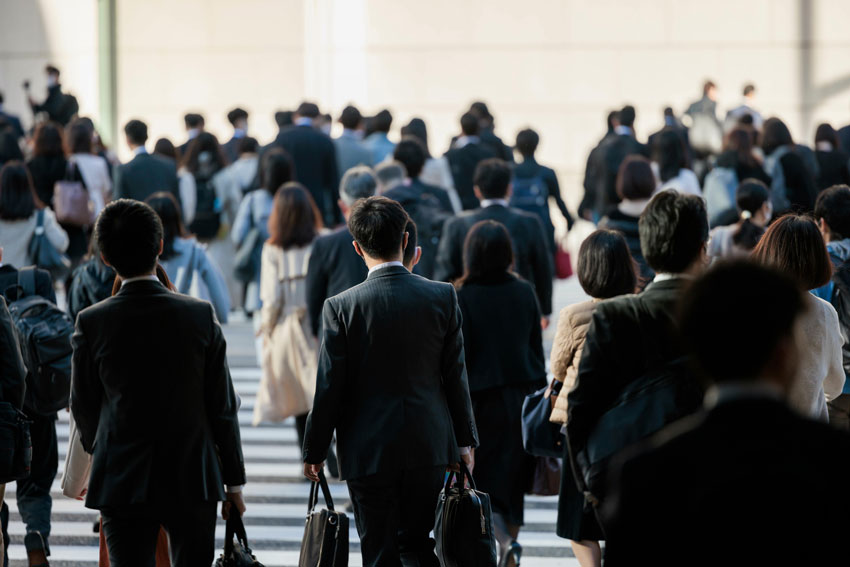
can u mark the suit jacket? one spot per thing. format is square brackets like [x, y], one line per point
[231, 148]
[145, 175]
[153, 400]
[334, 267]
[611, 156]
[747, 469]
[350, 152]
[531, 255]
[13, 372]
[462, 162]
[14, 122]
[391, 379]
[315, 167]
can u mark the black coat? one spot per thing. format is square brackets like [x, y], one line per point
[799, 182]
[153, 400]
[463, 162]
[502, 335]
[749, 471]
[13, 372]
[145, 175]
[91, 283]
[334, 267]
[531, 257]
[833, 169]
[391, 380]
[611, 155]
[231, 148]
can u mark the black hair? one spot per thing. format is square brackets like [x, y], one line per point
[283, 118]
[774, 135]
[276, 169]
[9, 148]
[17, 195]
[749, 88]
[1, 97]
[826, 133]
[526, 142]
[411, 154]
[164, 147]
[670, 154]
[51, 70]
[673, 230]
[377, 225]
[635, 179]
[237, 114]
[492, 177]
[204, 142]
[193, 120]
[308, 110]
[79, 137]
[627, 116]
[382, 121]
[613, 116]
[416, 127]
[751, 196]
[137, 132]
[410, 251]
[488, 253]
[762, 304]
[47, 140]
[469, 124]
[479, 107]
[605, 266]
[833, 206]
[170, 215]
[248, 145]
[128, 234]
[350, 117]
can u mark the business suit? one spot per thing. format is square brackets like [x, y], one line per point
[334, 267]
[231, 148]
[532, 260]
[154, 403]
[748, 471]
[315, 167]
[462, 162]
[611, 155]
[392, 384]
[350, 152]
[14, 122]
[145, 175]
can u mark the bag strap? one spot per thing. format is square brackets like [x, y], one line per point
[234, 526]
[26, 280]
[189, 275]
[314, 494]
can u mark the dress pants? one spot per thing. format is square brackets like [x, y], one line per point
[394, 513]
[131, 534]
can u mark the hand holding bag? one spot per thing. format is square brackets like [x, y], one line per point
[236, 554]
[325, 542]
[540, 437]
[464, 525]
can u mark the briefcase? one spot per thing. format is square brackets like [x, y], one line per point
[325, 542]
[15, 444]
[464, 525]
[238, 553]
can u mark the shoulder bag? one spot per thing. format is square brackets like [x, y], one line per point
[325, 542]
[43, 254]
[540, 437]
[464, 524]
[71, 199]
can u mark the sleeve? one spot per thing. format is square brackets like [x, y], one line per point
[563, 346]
[833, 384]
[555, 192]
[541, 265]
[214, 280]
[188, 196]
[449, 263]
[13, 372]
[330, 387]
[118, 191]
[269, 291]
[242, 224]
[317, 285]
[55, 233]
[535, 345]
[455, 382]
[86, 389]
[332, 182]
[223, 407]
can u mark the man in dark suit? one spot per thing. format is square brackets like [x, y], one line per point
[532, 259]
[194, 125]
[315, 161]
[747, 468]
[392, 384]
[593, 180]
[154, 403]
[487, 132]
[238, 118]
[145, 174]
[349, 147]
[12, 120]
[465, 154]
[59, 107]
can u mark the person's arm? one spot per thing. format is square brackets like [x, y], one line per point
[119, 191]
[188, 196]
[833, 384]
[455, 382]
[269, 291]
[243, 223]
[217, 286]
[555, 191]
[449, 262]
[317, 284]
[86, 389]
[541, 265]
[55, 234]
[13, 372]
[563, 346]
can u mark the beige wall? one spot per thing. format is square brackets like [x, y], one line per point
[557, 65]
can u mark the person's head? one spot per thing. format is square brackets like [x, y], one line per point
[479, 108]
[129, 235]
[382, 122]
[613, 120]
[492, 179]
[469, 124]
[276, 169]
[627, 116]
[79, 137]
[774, 135]
[389, 174]
[488, 253]
[283, 118]
[295, 220]
[171, 216]
[307, 110]
[238, 118]
[411, 154]
[832, 211]
[738, 324]
[741, 142]
[826, 133]
[47, 140]
[635, 179]
[670, 154]
[52, 75]
[136, 132]
[18, 199]
[359, 182]
[193, 121]
[794, 246]
[163, 147]
[377, 225]
[248, 145]
[416, 128]
[204, 144]
[351, 119]
[749, 91]
[755, 209]
[526, 142]
[673, 233]
[412, 250]
[605, 266]
[709, 89]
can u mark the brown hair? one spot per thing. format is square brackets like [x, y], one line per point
[635, 180]
[79, 137]
[295, 220]
[47, 140]
[794, 246]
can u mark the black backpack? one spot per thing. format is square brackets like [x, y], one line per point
[45, 333]
[531, 194]
[841, 301]
[207, 219]
[429, 218]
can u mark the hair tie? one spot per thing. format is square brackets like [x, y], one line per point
[746, 215]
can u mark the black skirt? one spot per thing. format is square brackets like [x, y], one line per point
[576, 520]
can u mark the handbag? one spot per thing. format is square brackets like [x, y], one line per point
[15, 444]
[547, 477]
[563, 263]
[463, 528]
[247, 260]
[71, 200]
[238, 553]
[43, 254]
[325, 542]
[540, 437]
[75, 477]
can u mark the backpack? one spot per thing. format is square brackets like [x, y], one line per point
[531, 194]
[841, 301]
[45, 335]
[69, 108]
[429, 218]
[719, 190]
[207, 219]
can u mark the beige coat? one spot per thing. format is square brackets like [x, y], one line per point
[573, 322]
[288, 382]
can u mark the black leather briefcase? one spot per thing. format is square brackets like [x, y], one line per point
[236, 554]
[464, 525]
[325, 542]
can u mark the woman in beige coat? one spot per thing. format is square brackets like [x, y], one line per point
[605, 269]
[289, 349]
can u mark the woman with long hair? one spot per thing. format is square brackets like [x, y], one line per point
[754, 213]
[739, 155]
[670, 164]
[833, 160]
[288, 349]
[200, 197]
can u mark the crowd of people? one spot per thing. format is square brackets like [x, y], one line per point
[399, 301]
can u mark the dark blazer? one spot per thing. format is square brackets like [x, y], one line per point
[231, 148]
[462, 162]
[14, 122]
[153, 400]
[799, 181]
[13, 372]
[833, 169]
[416, 189]
[391, 378]
[43, 282]
[611, 156]
[746, 470]
[333, 267]
[531, 256]
[503, 340]
[593, 179]
[314, 157]
[145, 175]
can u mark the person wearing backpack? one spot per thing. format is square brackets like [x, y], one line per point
[200, 197]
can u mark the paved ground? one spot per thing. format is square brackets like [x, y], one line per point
[276, 493]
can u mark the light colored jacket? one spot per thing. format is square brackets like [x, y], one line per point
[573, 322]
[254, 211]
[15, 236]
[95, 172]
[193, 273]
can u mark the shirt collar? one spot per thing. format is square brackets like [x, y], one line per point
[139, 151]
[239, 133]
[385, 265]
[633, 208]
[624, 130]
[494, 202]
[349, 133]
[193, 133]
[734, 391]
[466, 140]
[668, 277]
[303, 121]
[149, 277]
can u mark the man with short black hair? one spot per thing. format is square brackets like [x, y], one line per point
[194, 125]
[153, 401]
[532, 260]
[390, 174]
[463, 157]
[734, 116]
[350, 150]
[60, 107]
[238, 118]
[392, 383]
[145, 174]
[378, 143]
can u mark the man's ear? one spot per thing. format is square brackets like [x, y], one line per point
[358, 249]
[478, 194]
[342, 206]
[161, 248]
[103, 258]
[418, 255]
[404, 242]
[509, 192]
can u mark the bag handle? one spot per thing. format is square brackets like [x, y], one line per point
[234, 526]
[459, 476]
[314, 494]
[189, 275]
[26, 281]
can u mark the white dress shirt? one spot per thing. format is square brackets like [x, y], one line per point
[385, 265]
